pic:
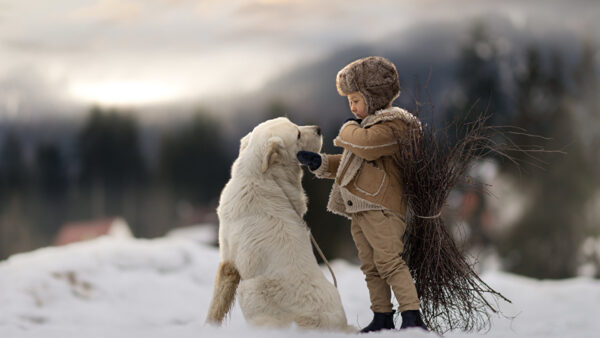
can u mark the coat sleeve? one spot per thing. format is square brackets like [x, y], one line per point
[329, 166]
[372, 142]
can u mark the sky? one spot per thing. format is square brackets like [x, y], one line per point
[143, 52]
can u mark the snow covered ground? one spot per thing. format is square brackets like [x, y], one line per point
[161, 288]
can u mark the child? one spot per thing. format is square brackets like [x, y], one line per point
[368, 185]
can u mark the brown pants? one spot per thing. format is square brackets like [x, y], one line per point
[378, 237]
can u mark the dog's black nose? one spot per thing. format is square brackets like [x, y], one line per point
[318, 130]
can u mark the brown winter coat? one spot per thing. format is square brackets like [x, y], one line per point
[366, 175]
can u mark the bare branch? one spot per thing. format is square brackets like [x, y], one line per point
[452, 295]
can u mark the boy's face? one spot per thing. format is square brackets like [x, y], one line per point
[358, 106]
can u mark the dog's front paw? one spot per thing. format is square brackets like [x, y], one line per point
[309, 159]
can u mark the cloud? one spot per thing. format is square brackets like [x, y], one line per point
[40, 47]
[232, 45]
[108, 10]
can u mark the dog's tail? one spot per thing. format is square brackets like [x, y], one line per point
[226, 284]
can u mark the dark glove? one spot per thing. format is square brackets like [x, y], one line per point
[353, 119]
[310, 159]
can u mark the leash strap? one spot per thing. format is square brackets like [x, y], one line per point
[314, 242]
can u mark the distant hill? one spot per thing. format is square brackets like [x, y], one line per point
[426, 54]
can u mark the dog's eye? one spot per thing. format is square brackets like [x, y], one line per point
[298, 134]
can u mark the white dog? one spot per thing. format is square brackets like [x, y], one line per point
[264, 242]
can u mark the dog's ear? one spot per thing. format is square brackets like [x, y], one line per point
[273, 153]
[244, 141]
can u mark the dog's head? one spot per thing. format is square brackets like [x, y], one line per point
[278, 140]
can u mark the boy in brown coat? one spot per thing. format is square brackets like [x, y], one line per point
[368, 185]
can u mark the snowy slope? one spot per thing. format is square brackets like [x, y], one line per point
[162, 287]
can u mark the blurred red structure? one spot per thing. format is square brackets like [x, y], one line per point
[80, 231]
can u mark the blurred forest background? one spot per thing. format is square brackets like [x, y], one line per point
[541, 222]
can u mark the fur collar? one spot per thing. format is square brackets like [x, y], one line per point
[389, 114]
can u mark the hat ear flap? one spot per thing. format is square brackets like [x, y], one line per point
[273, 153]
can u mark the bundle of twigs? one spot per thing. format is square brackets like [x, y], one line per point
[452, 295]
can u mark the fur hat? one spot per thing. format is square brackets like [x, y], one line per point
[374, 77]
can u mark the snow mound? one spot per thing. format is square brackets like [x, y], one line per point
[162, 287]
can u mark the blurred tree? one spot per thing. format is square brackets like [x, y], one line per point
[13, 171]
[109, 150]
[545, 242]
[110, 160]
[540, 97]
[51, 170]
[586, 103]
[52, 186]
[479, 81]
[15, 232]
[193, 162]
[480, 89]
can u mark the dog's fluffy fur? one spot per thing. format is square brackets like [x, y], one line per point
[264, 242]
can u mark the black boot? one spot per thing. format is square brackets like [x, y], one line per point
[412, 318]
[381, 321]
